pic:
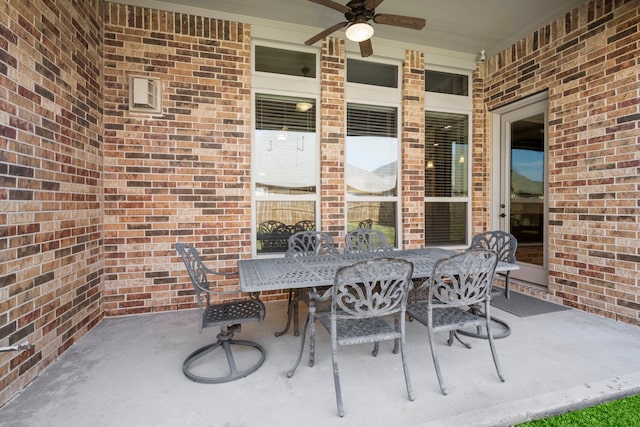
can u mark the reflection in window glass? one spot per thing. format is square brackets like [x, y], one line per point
[283, 61]
[371, 169]
[446, 176]
[285, 145]
[284, 169]
[446, 154]
[371, 150]
[377, 215]
[277, 220]
[445, 223]
[526, 205]
[449, 83]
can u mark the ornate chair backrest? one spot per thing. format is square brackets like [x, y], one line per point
[305, 243]
[462, 279]
[372, 288]
[269, 226]
[365, 240]
[196, 269]
[305, 225]
[365, 223]
[501, 242]
[199, 272]
[273, 235]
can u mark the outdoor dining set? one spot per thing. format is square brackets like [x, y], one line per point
[365, 294]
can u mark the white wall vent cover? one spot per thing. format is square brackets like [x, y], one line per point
[145, 94]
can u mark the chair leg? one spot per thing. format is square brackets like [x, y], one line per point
[453, 335]
[436, 364]
[396, 325]
[225, 342]
[493, 350]
[336, 376]
[312, 336]
[507, 291]
[376, 348]
[292, 314]
[396, 342]
[405, 367]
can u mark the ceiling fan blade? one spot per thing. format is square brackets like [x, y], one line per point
[399, 21]
[326, 32]
[372, 4]
[366, 49]
[333, 5]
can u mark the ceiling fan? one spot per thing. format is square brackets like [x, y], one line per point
[358, 14]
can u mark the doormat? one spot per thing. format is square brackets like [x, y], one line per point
[524, 305]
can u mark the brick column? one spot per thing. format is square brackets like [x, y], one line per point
[332, 137]
[412, 146]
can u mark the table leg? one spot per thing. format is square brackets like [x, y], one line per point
[302, 339]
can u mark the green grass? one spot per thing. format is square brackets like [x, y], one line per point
[618, 413]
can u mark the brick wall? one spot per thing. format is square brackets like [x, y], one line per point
[50, 181]
[588, 61]
[183, 174]
[481, 156]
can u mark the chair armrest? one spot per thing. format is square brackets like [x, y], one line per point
[321, 294]
[221, 273]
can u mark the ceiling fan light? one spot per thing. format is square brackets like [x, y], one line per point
[359, 32]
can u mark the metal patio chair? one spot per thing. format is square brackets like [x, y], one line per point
[304, 243]
[228, 316]
[505, 245]
[362, 295]
[366, 240]
[455, 284]
[501, 242]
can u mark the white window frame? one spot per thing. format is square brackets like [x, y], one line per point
[276, 84]
[456, 104]
[356, 93]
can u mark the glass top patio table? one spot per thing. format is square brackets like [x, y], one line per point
[268, 274]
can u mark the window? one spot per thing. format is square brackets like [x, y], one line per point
[371, 169]
[446, 178]
[284, 61]
[448, 83]
[284, 168]
[372, 73]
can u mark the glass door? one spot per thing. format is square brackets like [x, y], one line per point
[522, 186]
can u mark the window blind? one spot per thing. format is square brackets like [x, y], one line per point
[368, 120]
[275, 112]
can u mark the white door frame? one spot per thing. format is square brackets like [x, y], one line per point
[501, 118]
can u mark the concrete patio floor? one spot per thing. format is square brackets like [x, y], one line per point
[127, 372]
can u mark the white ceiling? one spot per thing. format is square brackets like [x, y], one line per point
[467, 26]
